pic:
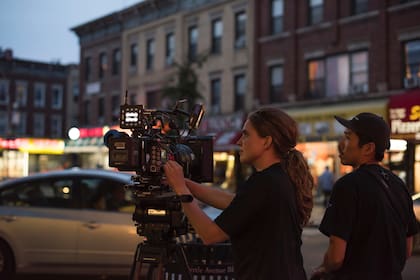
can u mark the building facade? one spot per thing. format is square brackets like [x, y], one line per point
[323, 58]
[32, 115]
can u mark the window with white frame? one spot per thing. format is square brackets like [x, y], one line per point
[39, 125]
[240, 29]
[39, 95]
[57, 97]
[192, 43]
[277, 10]
[56, 126]
[276, 83]
[170, 49]
[316, 11]
[216, 35]
[4, 92]
[240, 91]
[215, 93]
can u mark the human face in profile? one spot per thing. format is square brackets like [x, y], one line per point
[251, 145]
[350, 153]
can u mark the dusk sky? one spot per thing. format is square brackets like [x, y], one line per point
[39, 30]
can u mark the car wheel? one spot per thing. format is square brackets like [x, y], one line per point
[7, 266]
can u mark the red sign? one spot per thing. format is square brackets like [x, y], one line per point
[404, 114]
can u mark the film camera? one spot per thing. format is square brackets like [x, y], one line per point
[156, 137]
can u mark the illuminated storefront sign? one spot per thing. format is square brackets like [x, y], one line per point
[404, 115]
[33, 146]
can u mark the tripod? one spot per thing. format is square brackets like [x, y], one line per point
[159, 257]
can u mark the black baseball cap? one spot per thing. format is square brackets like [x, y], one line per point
[371, 126]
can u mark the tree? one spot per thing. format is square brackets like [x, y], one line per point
[185, 83]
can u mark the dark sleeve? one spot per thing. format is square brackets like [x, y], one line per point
[340, 214]
[413, 227]
[245, 207]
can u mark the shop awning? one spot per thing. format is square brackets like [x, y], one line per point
[226, 141]
[404, 114]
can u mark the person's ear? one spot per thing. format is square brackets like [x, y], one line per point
[267, 142]
[369, 148]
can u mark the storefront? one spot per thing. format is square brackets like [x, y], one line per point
[87, 149]
[23, 156]
[404, 119]
[319, 131]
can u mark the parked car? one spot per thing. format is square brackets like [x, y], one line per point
[416, 205]
[67, 222]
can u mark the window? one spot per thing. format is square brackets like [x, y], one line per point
[359, 6]
[56, 193]
[4, 123]
[412, 64]
[105, 195]
[276, 83]
[240, 30]
[192, 43]
[152, 99]
[116, 61]
[338, 75]
[21, 93]
[39, 125]
[86, 112]
[277, 7]
[4, 92]
[103, 64]
[133, 55]
[150, 53]
[216, 36]
[240, 92]
[316, 8]
[359, 72]
[170, 49]
[39, 95]
[101, 109]
[316, 75]
[115, 108]
[215, 88]
[57, 97]
[19, 123]
[88, 68]
[56, 126]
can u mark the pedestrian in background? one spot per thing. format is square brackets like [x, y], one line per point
[369, 220]
[325, 183]
[264, 219]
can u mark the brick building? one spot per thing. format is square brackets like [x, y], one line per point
[322, 58]
[32, 115]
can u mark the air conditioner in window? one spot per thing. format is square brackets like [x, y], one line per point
[358, 88]
[411, 82]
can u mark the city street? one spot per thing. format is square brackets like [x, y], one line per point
[314, 245]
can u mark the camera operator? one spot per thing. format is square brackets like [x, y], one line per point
[264, 219]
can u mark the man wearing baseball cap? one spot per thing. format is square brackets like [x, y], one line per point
[370, 220]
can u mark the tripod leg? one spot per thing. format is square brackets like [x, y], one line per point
[137, 264]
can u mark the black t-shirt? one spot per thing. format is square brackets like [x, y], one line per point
[361, 213]
[263, 225]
